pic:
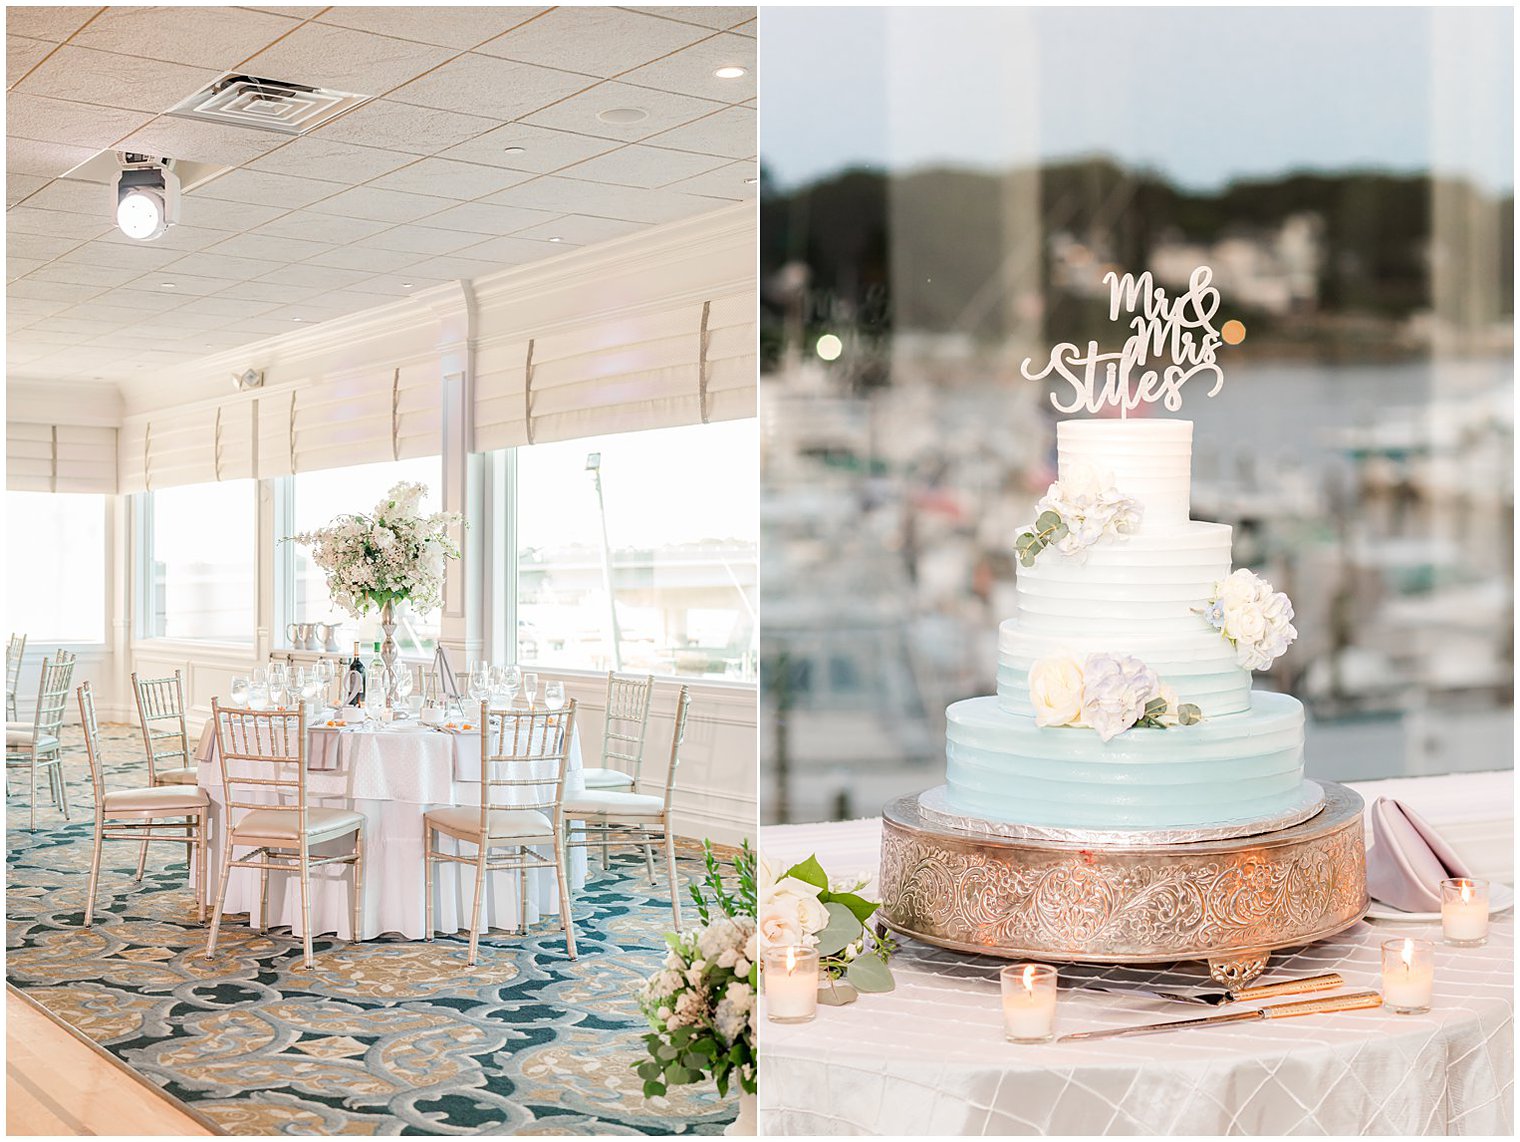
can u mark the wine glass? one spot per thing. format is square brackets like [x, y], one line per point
[279, 677]
[405, 683]
[554, 695]
[480, 683]
[239, 691]
[260, 675]
[511, 683]
[258, 695]
[530, 688]
[279, 694]
[326, 672]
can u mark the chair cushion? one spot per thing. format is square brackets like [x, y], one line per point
[177, 776]
[464, 821]
[281, 824]
[614, 804]
[23, 739]
[164, 799]
[607, 779]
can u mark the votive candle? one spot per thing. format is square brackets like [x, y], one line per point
[791, 984]
[1029, 1002]
[1464, 911]
[1409, 974]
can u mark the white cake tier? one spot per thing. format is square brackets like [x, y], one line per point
[1139, 596]
[1002, 767]
[1151, 460]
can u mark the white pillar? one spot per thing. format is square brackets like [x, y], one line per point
[463, 627]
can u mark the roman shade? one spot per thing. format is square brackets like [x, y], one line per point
[60, 458]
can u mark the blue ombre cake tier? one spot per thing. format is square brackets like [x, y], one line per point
[1221, 772]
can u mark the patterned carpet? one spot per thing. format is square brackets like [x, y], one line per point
[385, 1037]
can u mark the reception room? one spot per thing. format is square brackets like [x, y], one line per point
[381, 562]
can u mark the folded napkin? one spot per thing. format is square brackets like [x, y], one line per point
[324, 748]
[1408, 859]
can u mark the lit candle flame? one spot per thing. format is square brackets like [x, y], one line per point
[1029, 979]
[1407, 955]
[1467, 894]
[791, 960]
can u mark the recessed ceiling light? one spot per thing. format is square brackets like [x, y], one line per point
[166, 285]
[513, 150]
[730, 72]
[751, 181]
[556, 239]
[298, 319]
[406, 285]
[622, 115]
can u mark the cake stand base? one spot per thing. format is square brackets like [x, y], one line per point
[1230, 902]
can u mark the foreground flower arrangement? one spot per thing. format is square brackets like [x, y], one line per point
[1109, 693]
[803, 906]
[1257, 620]
[397, 554]
[701, 1003]
[1077, 512]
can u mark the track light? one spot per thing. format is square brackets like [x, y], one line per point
[147, 197]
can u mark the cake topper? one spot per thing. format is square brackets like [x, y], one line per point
[1179, 328]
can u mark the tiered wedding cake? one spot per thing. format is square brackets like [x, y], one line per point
[1124, 698]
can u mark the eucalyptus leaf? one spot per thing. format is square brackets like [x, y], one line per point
[653, 1089]
[679, 1076]
[836, 993]
[1027, 558]
[1048, 521]
[868, 973]
[1026, 539]
[843, 929]
[1060, 531]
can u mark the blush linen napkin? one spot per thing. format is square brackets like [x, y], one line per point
[1408, 859]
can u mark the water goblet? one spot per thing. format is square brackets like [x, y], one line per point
[239, 691]
[530, 688]
[258, 695]
[405, 683]
[554, 695]
[260, 675]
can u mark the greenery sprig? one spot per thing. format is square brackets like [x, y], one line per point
[1187, 715]
[1048, 529]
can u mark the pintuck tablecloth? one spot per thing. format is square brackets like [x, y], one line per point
[392, 776]
[930, 1058]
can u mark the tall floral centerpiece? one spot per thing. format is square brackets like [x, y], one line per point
[397, 554]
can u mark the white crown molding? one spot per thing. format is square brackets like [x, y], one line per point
[96, 404]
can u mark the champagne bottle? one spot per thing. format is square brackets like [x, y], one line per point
[354, 688]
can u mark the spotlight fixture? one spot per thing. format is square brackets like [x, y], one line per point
[556, 239]
[147, 197]
[513, 150]
[247, 379]
[730, 72]
[623, 115]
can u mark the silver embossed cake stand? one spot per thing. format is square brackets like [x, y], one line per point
[1230, 901]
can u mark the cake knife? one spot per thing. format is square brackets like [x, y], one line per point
[1219, 996]
[1353, 1002]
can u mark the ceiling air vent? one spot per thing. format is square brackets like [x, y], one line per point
[266, 104]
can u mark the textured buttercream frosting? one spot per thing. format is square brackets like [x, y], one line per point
[1151, 460]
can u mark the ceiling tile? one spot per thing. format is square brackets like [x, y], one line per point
[454, 267]
[223, 266]
[514, 251]
[263, 188]
[373, 261]
[83, 275]
[690, 71]
[422, 240]
[131, 304]
[542, 150]
[495, 88]
[35, 306]
[446, 177]
[75, 325]
[646, 167]
[113, 81]
[298, 13]
[269, 249]
[19, 267]
[28, 220]
[401, 284]
[21, 55]
[324, 56]
[748, 28]
[180, 285]
[312, 227]
[19, 186]
[662, 112]
[735, 181]
[137, 255]
[269, 291]
[228, 306]
[54, 24]
[182, 238]
[43, 159]
[319, 277]
[169, 138]
[705, 16]
[487, 219]
[75, 197]
[222, 214]
[317, 156]
[450, 27]
[381, 205]
[43, 246]
[402, 127]
[58, 121]
[219, 37]
[52, 291]
[580, 229]
[732, 133]
[601, 200]
[596, 41]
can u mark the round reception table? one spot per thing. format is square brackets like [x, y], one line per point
[930, 1057]
[392, 775]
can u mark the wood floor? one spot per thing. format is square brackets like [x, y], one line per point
[55, 1084]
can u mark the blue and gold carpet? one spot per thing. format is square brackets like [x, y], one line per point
[386, 1037]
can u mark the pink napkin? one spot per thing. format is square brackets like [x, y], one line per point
[1408, 859]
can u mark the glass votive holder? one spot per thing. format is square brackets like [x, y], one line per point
[1029, 1002]
[1409, 975]
[791, 984]
[1464, 912]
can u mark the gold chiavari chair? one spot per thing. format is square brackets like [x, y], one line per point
[15, 650]
[635, 818]
[623, 734]
[143, 815]
[264, 752]
[166, 740]
[516, 748]
[38, 747]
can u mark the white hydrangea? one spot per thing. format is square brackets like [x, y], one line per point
[1256, 619]
[1115, 691]
[1091, 508]
[732, 1015]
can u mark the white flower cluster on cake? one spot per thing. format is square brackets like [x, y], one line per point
[1078, 511]
[398, 553]
[1257, 620]
[1109, 693]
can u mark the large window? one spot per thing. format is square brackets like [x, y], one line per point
[55, 577]
[316, 498]
[202, 577]
[638, 552]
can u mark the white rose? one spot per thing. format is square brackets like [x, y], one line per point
[1055, 691]
[1238, 589]
[1244, 623]
[779, 927]
[1116, 689]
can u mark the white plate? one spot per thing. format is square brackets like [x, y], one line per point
[1501, 898]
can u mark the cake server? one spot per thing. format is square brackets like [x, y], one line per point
[1219, 996]
[1353, 1002]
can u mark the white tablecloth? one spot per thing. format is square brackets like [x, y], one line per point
[930, 1058]
[393, 777]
